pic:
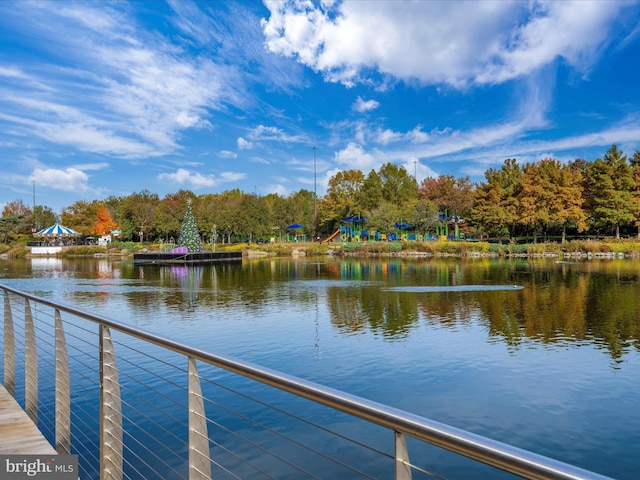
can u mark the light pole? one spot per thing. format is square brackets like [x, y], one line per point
[315, 194]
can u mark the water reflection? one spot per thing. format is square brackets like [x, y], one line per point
[558, 304]
[517, 301]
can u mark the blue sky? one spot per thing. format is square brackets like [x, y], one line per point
[110, 98]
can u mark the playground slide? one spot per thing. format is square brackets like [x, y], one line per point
[332, 236]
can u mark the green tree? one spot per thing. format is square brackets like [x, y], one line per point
[301, 204]
[139, 210]
[282, 212]
[14, 225]
[341, 199]
[229, 213]
[42, 217]
[253, 221]
[383, 217]
[170, 212]
[397, 185]
[635, 172]
[370, 195]
[425, 216]
[611, 185]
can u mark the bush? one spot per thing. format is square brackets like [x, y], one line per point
[82, 251]
[19, 251]
[317, 249]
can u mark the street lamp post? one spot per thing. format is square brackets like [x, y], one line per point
[315, 194]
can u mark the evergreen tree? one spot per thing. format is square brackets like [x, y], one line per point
[611, 182]
[189, 236]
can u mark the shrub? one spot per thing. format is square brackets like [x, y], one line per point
[19, 251]
[82, 251]
[317, 249]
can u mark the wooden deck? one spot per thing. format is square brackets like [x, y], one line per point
[18, 434]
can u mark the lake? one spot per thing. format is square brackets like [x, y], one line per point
[540, 354]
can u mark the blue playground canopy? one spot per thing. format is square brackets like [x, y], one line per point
[294, 226]
[402, 225]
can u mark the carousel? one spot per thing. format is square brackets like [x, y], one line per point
[52, 239]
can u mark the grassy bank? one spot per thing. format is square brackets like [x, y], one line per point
[574, 248]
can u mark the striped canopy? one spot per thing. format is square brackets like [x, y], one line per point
[57, 230]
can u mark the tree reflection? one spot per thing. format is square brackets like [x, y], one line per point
[560, 304]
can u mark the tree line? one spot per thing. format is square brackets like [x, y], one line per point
[537, 200]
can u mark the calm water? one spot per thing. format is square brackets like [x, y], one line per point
[545, 357]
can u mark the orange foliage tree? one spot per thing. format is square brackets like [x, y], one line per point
[105, 224]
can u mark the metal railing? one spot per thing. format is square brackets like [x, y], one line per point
[135, 419]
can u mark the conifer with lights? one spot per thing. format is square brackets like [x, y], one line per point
[189, 235]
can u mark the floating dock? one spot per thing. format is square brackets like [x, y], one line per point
[171, 258]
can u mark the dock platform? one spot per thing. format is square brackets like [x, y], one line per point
[18, 434]
[200, 258]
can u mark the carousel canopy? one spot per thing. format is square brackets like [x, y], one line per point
[57, 230]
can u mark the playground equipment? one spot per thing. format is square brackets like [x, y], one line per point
[353, 231]
[332, 236]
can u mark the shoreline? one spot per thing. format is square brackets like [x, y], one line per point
[575, 249]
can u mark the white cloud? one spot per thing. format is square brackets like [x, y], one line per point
[353, 156]
[126, 93]
[232, 176]
[262, 132]
[183, 176]
[227, 154]
[277, 189]
[92, 166]
[364, 106]
[68, 180]
[455, 43]
[244, 144]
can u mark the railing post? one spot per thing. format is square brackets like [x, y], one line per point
[111, 459]
[199, 458]
[9, 348]
[63, 391]
[403, 467]
[31, 365]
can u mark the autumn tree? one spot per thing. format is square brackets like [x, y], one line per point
[104, 224]
[452, 195]
[16, 207]
[568, 204]
[81, 216]
[495, 204]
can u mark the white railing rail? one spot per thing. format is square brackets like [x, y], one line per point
[124, 414]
